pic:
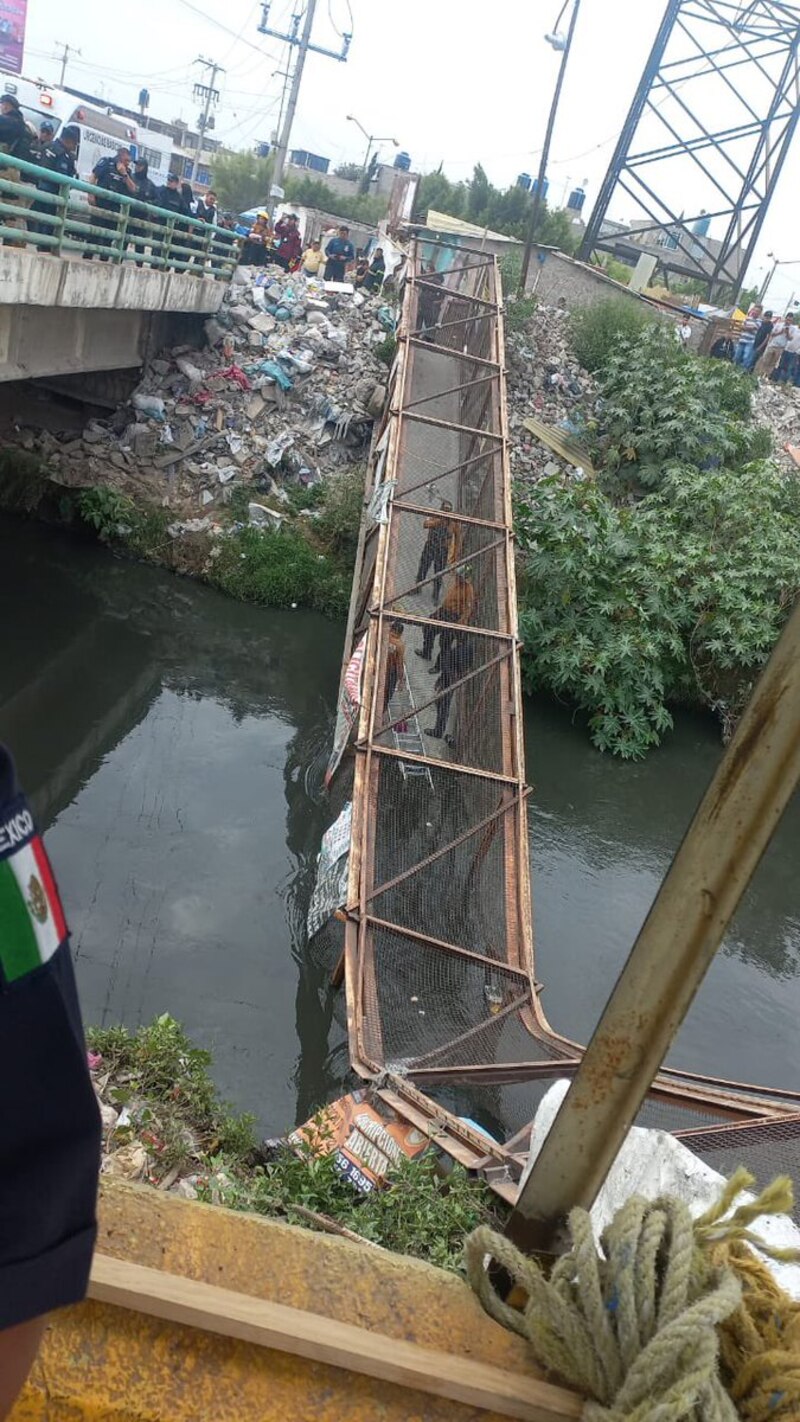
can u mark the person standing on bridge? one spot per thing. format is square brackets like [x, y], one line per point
[46, 135]
[111, 175]
[50, 1141]
[436, 549]
[457, 605]
[58, 157]
[18, 139]
[395, 662]
[146, 194]
[455, 662]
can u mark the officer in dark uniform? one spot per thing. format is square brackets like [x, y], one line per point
[47, 133]
[171, 199]
[50, 1136]
[112, 175]
[147, 193]
[59, 156]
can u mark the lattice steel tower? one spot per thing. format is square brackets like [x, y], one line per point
[719, 99]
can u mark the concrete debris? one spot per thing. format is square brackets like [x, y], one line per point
[545, 381]
[285, 392]
[778, 407]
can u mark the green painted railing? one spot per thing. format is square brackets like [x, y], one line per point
[117, 228]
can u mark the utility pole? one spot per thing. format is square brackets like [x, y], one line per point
[551, 122]
[66, 51]
[303, 45]
[210, 94]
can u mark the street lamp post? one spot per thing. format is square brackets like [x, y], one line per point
[559, 42]
[371, 138]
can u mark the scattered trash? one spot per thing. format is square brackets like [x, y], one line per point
[262, 517]
[149, 405]
[286, 392]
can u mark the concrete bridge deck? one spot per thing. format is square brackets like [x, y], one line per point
[62, 315]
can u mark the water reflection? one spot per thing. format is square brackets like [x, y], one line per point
[602, 836]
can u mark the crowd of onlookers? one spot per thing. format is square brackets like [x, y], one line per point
[332, 257]
[120, 175]
[114, 176]
[769, 346]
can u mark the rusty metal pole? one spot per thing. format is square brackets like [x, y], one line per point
[672, 954]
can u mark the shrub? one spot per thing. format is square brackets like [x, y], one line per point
[279, 568]
[680, 597]
[386, 350]
[663, 407]
[597, 331]
[339, 522]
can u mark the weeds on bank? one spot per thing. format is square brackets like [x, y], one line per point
[176, 1113]
[307, 562]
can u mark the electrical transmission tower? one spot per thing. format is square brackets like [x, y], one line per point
[706, 137]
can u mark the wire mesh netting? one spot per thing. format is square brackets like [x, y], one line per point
[769, 1148]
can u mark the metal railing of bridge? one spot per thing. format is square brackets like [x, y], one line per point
[116, 228]
[443, 1008]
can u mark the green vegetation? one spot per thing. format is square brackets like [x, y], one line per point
[164, 1082]
[695, 416]
[307, 562]
[279, 568]
[504, 210]
[241, 180]
[386, 350]
[618, 271]
[597, 331]
[669, 579]
[175, 1113]
[313, 192]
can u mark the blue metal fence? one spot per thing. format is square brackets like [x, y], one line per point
[115, 228]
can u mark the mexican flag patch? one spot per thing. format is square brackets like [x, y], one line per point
[32, 923]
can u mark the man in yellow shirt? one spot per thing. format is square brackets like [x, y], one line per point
[313, 259]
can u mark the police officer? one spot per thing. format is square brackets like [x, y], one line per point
[113, 175]
[15, 135]
[46, 136]
[170, 196]
[59, 156]
[50, 1137]
[147, 193]
[18, 139]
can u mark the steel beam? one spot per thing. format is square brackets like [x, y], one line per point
[767, 91]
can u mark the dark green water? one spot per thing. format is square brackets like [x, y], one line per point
[172, 742]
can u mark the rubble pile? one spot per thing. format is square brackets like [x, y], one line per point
[778, 407]
[285, 391]
[545, 382]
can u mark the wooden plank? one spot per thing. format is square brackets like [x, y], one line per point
[194, 1304]
[563, 445]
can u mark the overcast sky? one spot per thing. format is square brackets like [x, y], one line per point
[455, 81]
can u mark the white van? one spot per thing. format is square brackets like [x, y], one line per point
[102, 131]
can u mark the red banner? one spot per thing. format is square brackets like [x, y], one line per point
[13, 14]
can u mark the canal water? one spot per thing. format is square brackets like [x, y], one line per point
[173, 743]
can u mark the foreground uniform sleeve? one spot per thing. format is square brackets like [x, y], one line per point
[49, 1122]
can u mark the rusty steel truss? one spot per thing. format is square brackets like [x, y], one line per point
[443, 1006]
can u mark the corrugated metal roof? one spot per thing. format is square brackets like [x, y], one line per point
[443, 222]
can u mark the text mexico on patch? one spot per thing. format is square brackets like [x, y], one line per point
[32, 923]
